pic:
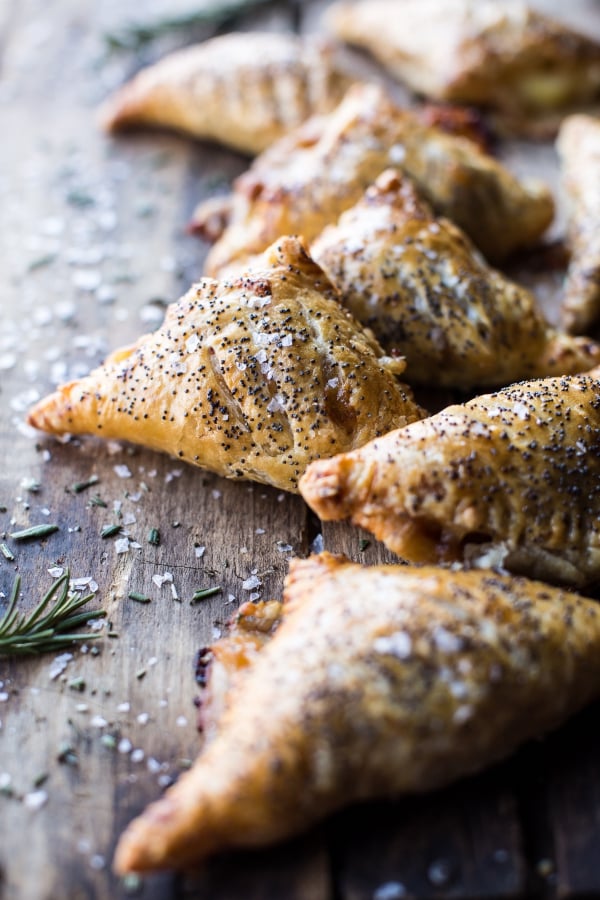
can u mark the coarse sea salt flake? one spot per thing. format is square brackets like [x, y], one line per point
[192, 343]
[122, 471]
[35, 799]
[98, 722]
[59, 664]
[251, 583]
[159, 580]
[390, 890]
[398, 644]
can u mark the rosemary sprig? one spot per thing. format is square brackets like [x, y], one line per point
[137, 35]
[45, 630]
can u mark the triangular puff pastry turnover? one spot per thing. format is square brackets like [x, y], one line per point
[579, 149]
[527, 68]
[251, 378]
[244, 90]
[511, 479]
[428, 295]
[308, 178]
[379, 681]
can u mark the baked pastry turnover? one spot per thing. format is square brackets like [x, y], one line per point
[308, 178]
[379, 681]
[526, 68]
[428, 295]
[244, 90]
[510, 479]
[251, 378]
[579, 148]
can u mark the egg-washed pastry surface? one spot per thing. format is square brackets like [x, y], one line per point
[527, 68]
[241, 89]
[308, 178]
[379, 681]
[251, 378]
[427, 293]
[579, 149]
[511, 479]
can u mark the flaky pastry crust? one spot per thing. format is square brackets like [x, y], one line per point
[579, 149]
[251, 378]
[428, 295]
[245, 90]
[379, 681]
[525, 67]
[509, 479]
[307, 179]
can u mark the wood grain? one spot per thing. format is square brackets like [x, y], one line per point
[94, 246]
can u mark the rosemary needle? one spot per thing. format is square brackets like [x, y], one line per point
[207, 592]
[134, 36]
[36, 531]
[80, 486]
[45, 629]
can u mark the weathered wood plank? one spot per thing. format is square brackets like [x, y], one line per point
[297, 870]
[568, 764]
[464, 842]
[92, 231]
[94, 245]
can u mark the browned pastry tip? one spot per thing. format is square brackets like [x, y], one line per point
[378, 682]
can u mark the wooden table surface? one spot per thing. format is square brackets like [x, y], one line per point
[93, 247]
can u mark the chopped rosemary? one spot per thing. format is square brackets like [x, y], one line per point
[80, 486]
[154, 536]
[97, 500]
[31, 485]
[80, 198]
[140, 674]
[363, 544]
[109, 741]
[77, 684]
[132, 883]
[135, 36]
[67, 755]
[110, 531]
[207, 592]
[45, 631]
[7, 552]
[41, 261]
[35, 532]
[139, 598]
